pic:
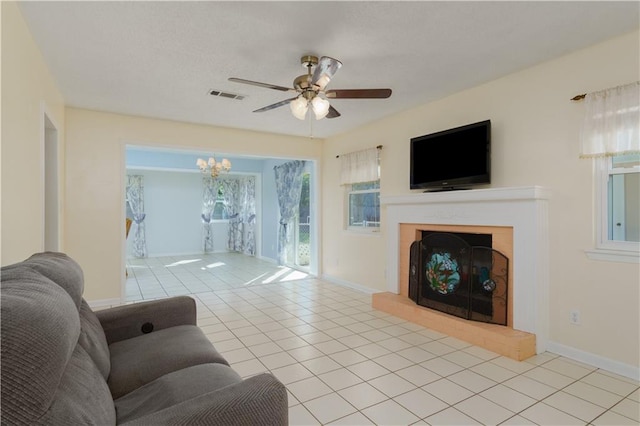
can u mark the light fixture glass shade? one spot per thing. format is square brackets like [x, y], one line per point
[201, 164]
[323, 81]
[299, 107]
[320, 107]
[226, 164]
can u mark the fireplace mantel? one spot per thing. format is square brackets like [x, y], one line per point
[474, 195]
[522, 208]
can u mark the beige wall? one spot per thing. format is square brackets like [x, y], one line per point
[27, 91]
[535, 132]
[94, 219]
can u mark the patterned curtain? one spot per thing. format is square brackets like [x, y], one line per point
[232, 206]
[288, 188]
[248, 185]
[135, 198]
[209, 195]
[240, 205]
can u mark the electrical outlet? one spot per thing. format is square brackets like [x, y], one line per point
[574, 317]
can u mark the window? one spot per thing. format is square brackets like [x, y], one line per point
[619, 202]
[364, 205]
[360, 175]
[219, 210]
[611, 135]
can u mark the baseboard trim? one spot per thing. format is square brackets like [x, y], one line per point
[268, 259]
[349, 284]
[598, 361]
[104, 303]
[198, 253]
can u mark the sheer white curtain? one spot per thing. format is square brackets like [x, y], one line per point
[360, 166]
[612, 122]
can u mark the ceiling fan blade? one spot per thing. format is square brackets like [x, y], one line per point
[358, 94]
[325, 70]
[333, 113]
[257, 83]
[273, 106]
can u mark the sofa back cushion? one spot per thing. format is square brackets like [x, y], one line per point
[40, 329]
[46, 375]
[62, 270]
[93, 340]
[83, 397]
[66, 273]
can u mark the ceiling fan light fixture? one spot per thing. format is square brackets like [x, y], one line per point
[299, 107]
[320, 107]
[310, 91]
[323, 81]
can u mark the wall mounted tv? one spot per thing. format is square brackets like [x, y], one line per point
[452, 159]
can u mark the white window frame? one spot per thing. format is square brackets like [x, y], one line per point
[606, 249]
[365, 228]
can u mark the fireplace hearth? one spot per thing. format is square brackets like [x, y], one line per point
[460, 274]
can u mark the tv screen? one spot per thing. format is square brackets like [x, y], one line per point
[452, 159]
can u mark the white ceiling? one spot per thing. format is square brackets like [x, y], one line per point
[159, 59]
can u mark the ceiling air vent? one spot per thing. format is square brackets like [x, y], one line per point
[235, 96]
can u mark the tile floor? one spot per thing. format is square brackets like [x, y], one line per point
[345, 363]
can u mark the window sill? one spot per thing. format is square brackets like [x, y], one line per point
[612, 255]
[374, 232]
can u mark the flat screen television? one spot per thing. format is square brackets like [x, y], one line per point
[452, 159]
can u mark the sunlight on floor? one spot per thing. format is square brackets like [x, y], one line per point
[295, 275]
[214, 265]
[278, 274]
[255, 279]
[164, 276]
[182, 262]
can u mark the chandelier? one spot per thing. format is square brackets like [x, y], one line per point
[213, 167]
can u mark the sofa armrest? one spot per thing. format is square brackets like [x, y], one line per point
[258, 400]
[125, 322]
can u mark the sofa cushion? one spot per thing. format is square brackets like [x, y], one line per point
[82, 397]
[40, 329]
[62, 270]
[174, 388]
[258, 400]
[140, 360]
[93, 340]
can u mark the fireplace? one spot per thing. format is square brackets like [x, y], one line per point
[459, 274]
[517, 218]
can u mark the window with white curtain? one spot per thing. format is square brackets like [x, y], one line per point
[360, 175]
[611, 135]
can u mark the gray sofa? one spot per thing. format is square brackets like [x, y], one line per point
[144, 363]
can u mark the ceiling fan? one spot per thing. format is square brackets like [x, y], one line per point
[310, 89]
